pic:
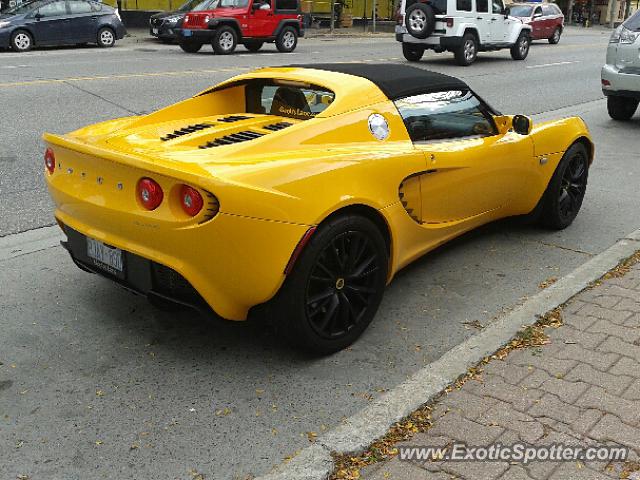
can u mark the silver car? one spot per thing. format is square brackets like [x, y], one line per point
[621, 74]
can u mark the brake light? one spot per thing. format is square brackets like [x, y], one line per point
[191, 200]
[449, 21]
[49, 160]
[149, 193]
[606, 83]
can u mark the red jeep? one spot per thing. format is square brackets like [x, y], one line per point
[249, 22]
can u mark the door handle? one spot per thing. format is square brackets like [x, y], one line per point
[494, 19]
[478, 18]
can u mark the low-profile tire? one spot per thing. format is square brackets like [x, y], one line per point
[190, 46]
[412, 52]
[520, 49]
[555, 38]
[225, 40]
[621, 108]
[21, 41]
[287, 40]
[420, 20]
[253, 46]
[563, 197]
[106, 37]
[335, 288]
[467, 52]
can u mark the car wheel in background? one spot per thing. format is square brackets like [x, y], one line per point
[563, 197]
[520, 49]
[106, 37]
[413, 53]
[621, 108]
[225, 40]
[335, 288]
[190, 46]
[420, 20]
[468, 51]
[253, 46]
[555, 38]
[21, 41]
[287, 40]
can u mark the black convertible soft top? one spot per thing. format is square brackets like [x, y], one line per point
[395, 80]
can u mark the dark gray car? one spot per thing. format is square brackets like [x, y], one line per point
[59, 22]
[163, 24]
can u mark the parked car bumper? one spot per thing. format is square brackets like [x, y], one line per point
[433, 42]
[621, 82]
[5, 38]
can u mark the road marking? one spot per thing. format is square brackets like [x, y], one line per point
[123, 76]
[544, 65]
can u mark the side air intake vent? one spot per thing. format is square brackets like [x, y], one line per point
[274, 127]
[186, 131]
[233, 138]
[233, 118]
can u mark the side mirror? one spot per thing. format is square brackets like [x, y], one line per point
[38, 16]
[507, 12]
[521, 124]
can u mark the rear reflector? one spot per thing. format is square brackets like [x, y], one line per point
[149, 193]
[606, 83]
[50, 160]
[449, 21]
[191, 200]
[298, 250]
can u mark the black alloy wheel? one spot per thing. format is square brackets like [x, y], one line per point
[564, 195]
[342, 284]
[335, 288]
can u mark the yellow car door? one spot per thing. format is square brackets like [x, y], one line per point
[471, 168]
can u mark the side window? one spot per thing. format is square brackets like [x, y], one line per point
[301, 102]
[548, 10]
[537, 11]
[79, 6]
[53, 9]
[482, 6]
[286, 4]
[445, 115]
[463, 5]
[497, 6]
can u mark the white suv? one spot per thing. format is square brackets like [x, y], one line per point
[463, 27]
[621, 74]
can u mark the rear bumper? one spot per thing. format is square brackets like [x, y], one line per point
[431, 43]
[621, 82]
[233, 262]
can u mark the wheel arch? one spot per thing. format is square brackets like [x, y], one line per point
[289, 22]
[588, 145]
[231, 22]
[372, 214]
[473, 31]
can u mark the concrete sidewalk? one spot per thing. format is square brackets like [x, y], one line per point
[578, 385]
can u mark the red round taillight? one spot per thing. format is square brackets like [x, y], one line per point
[49, 160]
[191, 200]
[149, 193]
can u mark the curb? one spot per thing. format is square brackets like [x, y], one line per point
[362, 429]
[30, 241]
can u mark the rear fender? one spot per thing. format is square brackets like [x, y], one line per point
[285, 23]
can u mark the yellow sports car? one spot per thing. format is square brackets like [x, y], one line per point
[298, 192]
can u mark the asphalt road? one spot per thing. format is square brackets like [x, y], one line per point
[94, 383]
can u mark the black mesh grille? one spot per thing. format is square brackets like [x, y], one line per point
[274, 127]
[233, 138]
[186, 131]
[170, 283]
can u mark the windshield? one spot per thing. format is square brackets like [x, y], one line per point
[25, 7]
[521, 10]
[633, 22]
[206, 5]
[233, 3]
[196, 5]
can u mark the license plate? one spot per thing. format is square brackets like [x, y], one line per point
[105, 257]
[155, 31]
[186, 33]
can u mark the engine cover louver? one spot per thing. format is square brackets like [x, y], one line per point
[186, 131]
[233, 118]
[274, 127]
[233, 138]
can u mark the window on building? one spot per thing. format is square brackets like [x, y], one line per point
[463, 5]
[445, 115]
